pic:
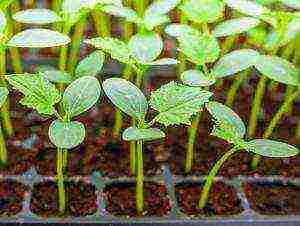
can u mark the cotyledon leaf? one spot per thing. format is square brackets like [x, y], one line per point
[135, 134]
[177, 30]
[161, 7]
[247, 7]
[3, 95]
[66, 135]
[91, 65]
[36, 16]
[3, 21]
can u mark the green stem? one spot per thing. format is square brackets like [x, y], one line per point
[298, 131]
[65, 159]
[60, 177]
[102, 24]
[191, 142]
[210, 178]
[275, 120]
[181, 56]
[139, 178]
[3, 151]
[75, 46]
[228, 44]
[56, 6]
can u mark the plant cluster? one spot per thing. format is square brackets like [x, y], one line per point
[207, 54]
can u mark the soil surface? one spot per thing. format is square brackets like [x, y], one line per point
[120, 198]
[81, 199]
[274, 199]
[12, 195]
[223, 200]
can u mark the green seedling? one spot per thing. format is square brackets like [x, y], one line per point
[64, 132]
[175, 104]
[230, 127]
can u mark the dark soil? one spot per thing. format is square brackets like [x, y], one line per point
[222, 200]
[120, 198]
[274, 199]
[80, 199]
[11, 197]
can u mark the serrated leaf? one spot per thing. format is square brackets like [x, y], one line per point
[39, 93]
[271, 148]
[38, 38]
[160, 7]
[199, 49]
[116, 48]
[37, 16]
[228, 122]
[66, 135]
[145, 48]
[3, 22]
[3, 95]
[278, 69]
[81, 95]
[163, 61]
[196, 78]
[57, 76]
[292, 3]
[135, 134]
[177, 103]
[91, 65]
[234, 62]
[177, 30]
[247, 7]
[203, 11]
[128, 14]
[155, 20]
[235, 26]
[127, 97]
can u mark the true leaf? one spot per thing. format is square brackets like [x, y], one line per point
[247, 7]
[235, 26]
[2, 21]
[117, 49]
[39, 93]
[177, 30]
[145, 48]
[234, 62]
[177, 103]
[38, 38]
[3, 95]
[66, 135]
[163, 61]
[278, 69]
[196, 78]
[37, 16]
[203, 11]
[227, 120]
[135, 134]
[57, 76]
[199, 49]
[91, 65]
[81, 95]
[271, 148]
[127, 97]
[160, 7]
[124, 12]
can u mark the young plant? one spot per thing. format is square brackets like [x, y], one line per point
[64, 132]
[175, 104]
[230, 127]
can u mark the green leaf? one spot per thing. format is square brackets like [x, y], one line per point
[3, 95]
[66, 135]
[247, 7]
[135, 134]
[111, 2]
[163, 61]
[117, 49]
[292, 3]
[199, 49]
[234, 62]
[145, 48]
[271, 148]
[177, 30]
[203, 11]
[91, 65]
[127, 97]
[81, 95]
[37, 16]
[38, 38]
[128, 14]
[155, 20]
[3, 22]
[177, 103]
[57, 76]
[196, 78]
[39, 93]
[228, 122]
[278, 69]
[235, 26]
[71, 6]
[160, 7]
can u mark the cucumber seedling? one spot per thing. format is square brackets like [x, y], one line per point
[64, 132]
[175, 104]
